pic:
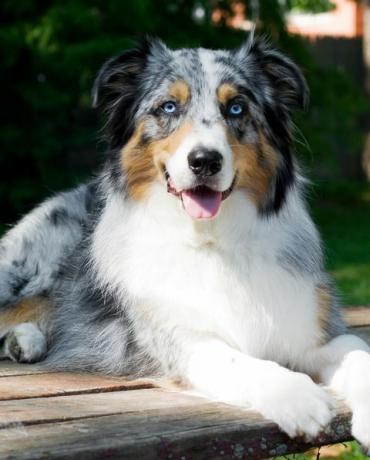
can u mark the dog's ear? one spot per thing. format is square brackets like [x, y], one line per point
[283, 74]
[117, 76]
[281, 87]
[117, 88]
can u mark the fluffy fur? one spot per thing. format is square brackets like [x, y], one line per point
[237, 305]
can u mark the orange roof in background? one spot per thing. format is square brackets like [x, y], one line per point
[346, 20]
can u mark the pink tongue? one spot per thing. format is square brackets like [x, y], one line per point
[201, 204]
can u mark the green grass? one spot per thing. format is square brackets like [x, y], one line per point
[344, 451]
[342, 212]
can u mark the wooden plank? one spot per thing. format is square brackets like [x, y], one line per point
[357, 316]
[46, 410]
[204, 431]
[140, 424]
[9, 368]
[63, 383]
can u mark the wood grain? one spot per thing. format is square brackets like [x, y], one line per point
[204, 431]
[63, 383]
[53, 409]
[8, 368]
[357, 316]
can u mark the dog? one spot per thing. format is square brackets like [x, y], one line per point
[191, 254]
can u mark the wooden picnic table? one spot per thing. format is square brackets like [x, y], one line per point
[86, 416]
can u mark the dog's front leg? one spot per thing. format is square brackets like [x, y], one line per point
[346, 369]
[290, 399]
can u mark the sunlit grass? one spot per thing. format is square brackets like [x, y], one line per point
[343, 451]
[342, 212]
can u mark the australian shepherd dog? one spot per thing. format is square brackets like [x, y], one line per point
[191, 254]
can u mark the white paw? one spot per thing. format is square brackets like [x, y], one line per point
[361, 426]
[25, 343]
[296, 404]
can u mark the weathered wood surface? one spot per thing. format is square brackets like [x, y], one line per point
[42, 410]
[62, 415]
[8, 368]
[60, 384]
[359, 320]
[357, 316]
[201, 431]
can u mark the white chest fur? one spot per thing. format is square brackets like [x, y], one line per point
[218, 278]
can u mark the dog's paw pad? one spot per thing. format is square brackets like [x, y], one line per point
[25, 343]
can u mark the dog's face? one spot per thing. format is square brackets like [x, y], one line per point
[202, 122]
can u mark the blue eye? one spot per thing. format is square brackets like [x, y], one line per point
[169, 107]
[235, 110]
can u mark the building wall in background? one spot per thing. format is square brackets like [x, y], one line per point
[346, 20]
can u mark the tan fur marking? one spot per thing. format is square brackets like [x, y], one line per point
[255, 167]
[180, 91]
[34, 310]
[144, 164]
[324, 298]
[225, 92]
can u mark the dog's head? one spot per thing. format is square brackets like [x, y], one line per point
[202, 122]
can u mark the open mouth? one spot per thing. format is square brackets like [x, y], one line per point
[200, 202]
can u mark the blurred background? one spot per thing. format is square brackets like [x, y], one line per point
[50, 137]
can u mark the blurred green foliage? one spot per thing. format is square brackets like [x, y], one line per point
[342, 211]
[313, 6]
[51, 50]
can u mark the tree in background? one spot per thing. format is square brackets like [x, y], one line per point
[51, 51]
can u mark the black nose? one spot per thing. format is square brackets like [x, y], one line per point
[205, 162]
